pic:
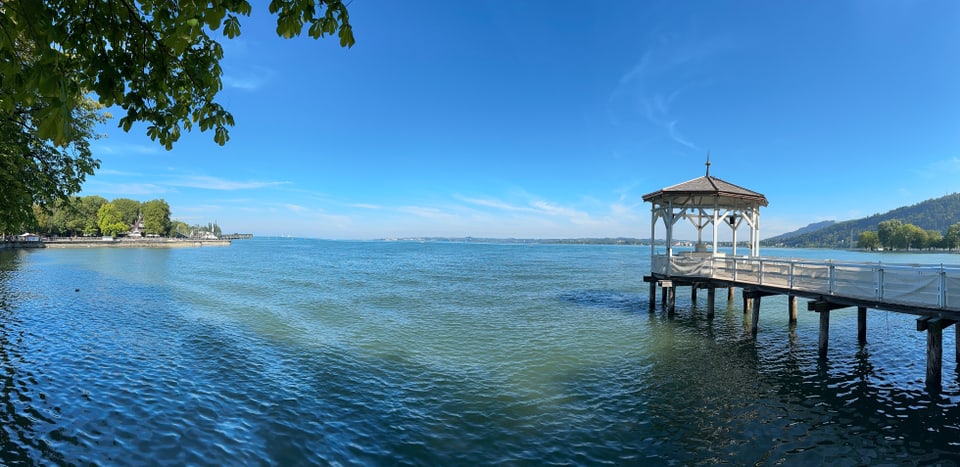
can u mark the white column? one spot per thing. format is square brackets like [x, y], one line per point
[756, 223]
[715, 219]
[734, 228]
[668, 219]
[653, 232]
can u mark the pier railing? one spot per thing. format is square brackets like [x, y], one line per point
[927, 286]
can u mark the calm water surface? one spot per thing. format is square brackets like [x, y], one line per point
[295, 352]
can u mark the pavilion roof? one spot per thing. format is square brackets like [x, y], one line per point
[703, 190]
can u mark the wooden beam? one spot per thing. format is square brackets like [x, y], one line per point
[924, 324]
[822, 305]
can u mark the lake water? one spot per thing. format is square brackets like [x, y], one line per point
[294, 352]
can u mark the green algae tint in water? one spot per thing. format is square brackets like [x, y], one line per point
[314, 352]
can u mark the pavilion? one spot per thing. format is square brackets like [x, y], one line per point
[706, 201]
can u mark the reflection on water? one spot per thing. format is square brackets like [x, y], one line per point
[310, 352]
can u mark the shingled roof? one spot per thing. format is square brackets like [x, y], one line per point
[707, 186]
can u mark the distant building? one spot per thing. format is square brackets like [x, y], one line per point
[136, 230]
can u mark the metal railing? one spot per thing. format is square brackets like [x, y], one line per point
[928, 286]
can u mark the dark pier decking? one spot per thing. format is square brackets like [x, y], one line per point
[930, 292]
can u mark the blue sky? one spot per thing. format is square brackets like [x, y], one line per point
[552, 118]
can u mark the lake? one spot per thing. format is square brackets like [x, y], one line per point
[292, 352]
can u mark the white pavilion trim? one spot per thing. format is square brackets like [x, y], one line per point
[706, 201]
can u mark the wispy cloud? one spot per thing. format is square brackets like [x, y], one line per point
[650, 90]
[248, 79]
[138, 149]
[124, 189]
[215, 183]
[365, 206]
[495, 203]
[940, 168]
[424, 211]
[118, 173]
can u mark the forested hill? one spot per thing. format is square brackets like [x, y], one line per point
[933, 214]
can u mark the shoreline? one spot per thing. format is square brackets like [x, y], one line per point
[98, 243]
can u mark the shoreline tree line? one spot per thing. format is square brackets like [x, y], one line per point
[64, 63]
[894, 234]
[94, 216]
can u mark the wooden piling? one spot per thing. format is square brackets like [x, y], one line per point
[792, 308]
[755, 319]
[653, 295]
[711, 298]
[730, 294]
[824, 333]
[934, 355]
[671, 298]
[862, 325]
[693, 293]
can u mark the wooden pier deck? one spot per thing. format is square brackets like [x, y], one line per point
[932, 292]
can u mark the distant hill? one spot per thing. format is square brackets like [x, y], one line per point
[933, 214]
[810, 228]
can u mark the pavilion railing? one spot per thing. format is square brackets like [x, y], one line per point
[928, 286]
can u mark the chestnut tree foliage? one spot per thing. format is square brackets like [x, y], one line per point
[155, 61]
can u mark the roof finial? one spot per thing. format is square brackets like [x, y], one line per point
[708, 162]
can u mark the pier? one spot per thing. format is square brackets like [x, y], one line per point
[931, 292]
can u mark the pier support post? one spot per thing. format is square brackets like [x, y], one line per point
[862, 325]
[823, 307]
[730, 294]
[822, 342]
[934, 357]
[934, 328]
[711, 298]
[747, 304]
[663, 296]
[693, 293]
[755, 318]
[671, 293]
[792, 308]
[653, 295]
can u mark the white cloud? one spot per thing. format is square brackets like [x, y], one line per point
[126, 149]
[247, 78]
[648, 91]
[365, 206]
[214, 183]
[124, 189]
